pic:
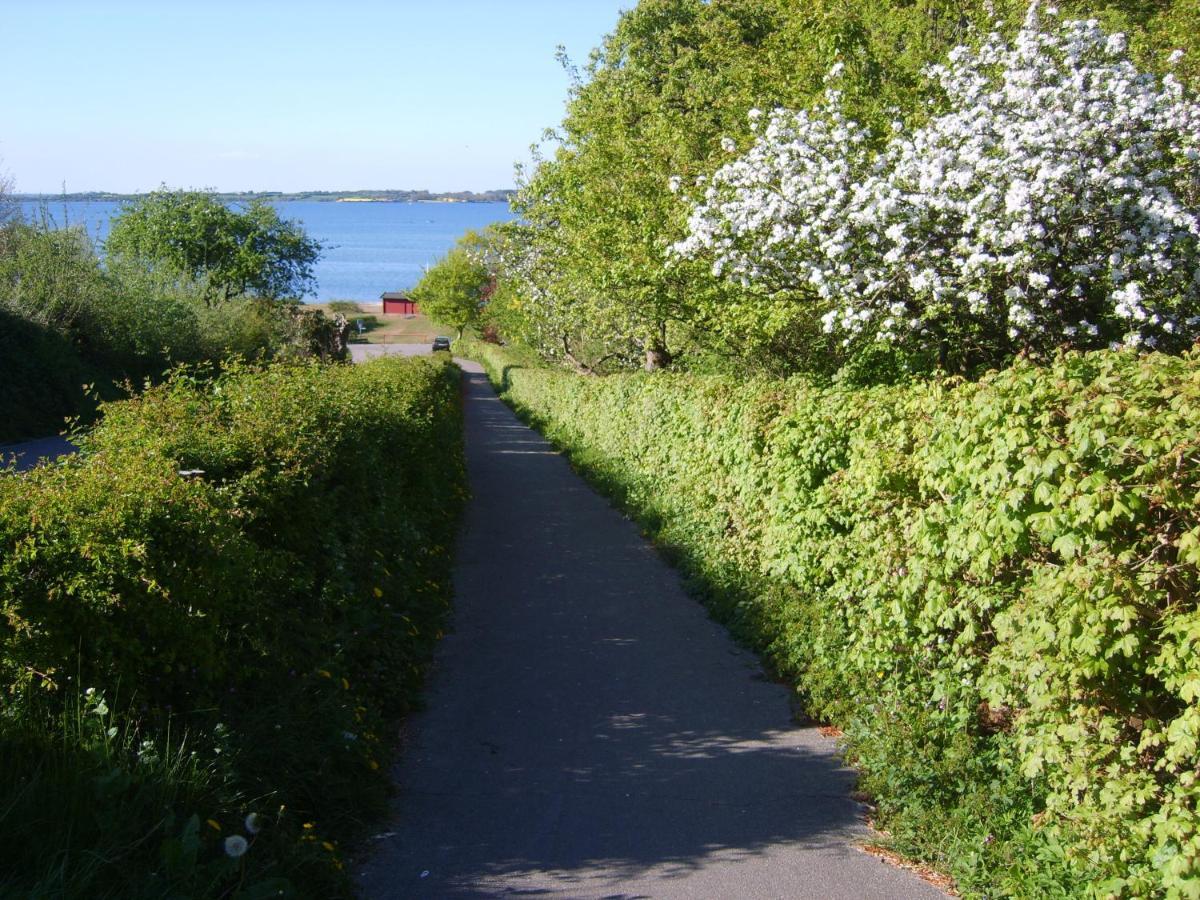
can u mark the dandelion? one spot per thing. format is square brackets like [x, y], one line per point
[253, 823]
[236, 845]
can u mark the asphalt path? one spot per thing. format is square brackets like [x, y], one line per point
[589, 732]
[362, 352]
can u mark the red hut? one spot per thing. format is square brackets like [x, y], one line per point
[397, 302]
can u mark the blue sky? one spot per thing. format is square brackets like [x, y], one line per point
[338, 95]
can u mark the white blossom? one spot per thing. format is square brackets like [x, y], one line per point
[1046, 198]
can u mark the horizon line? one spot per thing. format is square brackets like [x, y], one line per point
[505, 190]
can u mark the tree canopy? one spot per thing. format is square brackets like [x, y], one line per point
[663, 103]
[453, 291]
[246, 251]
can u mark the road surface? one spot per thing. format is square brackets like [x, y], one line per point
[360, 352]
[589, 732]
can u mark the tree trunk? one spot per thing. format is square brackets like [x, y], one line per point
[657, 354]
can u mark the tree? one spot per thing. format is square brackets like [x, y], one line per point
[658, 105]
[234, 252]
[1046, 200]
[455, 289]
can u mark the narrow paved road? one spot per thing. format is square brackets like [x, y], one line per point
[591, 733]
[362, 352]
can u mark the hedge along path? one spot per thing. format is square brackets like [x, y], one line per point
[590, 732]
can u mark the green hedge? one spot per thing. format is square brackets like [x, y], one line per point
[258, 560]
[991, 587]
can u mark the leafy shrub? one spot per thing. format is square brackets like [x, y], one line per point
[990, 587]
[257, 559]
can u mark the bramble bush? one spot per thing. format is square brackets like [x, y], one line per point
[991, 587]
[240, 577]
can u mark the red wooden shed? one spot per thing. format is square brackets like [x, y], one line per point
[397, 302]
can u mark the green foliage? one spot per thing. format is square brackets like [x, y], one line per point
[990, 587]
[48, 274]
[654, 102]
[256, 560]
[195, 235]
[455, 289]
[70, 322]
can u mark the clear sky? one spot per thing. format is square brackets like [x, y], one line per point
[264, 95]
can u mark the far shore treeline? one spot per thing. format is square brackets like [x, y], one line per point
[379, 196]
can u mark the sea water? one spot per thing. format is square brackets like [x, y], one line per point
[369, 247]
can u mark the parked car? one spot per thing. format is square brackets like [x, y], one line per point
[441, 343]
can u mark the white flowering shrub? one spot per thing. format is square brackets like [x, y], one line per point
[1048, 199]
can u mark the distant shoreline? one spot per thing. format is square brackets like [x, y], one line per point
[382, 196]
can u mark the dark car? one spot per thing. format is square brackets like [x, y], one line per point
[441, 343]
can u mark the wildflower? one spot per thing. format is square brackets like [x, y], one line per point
[235, 846]
[253, 823]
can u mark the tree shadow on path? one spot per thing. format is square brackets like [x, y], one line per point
[591, 733]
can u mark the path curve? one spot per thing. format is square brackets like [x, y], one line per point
[589, 732]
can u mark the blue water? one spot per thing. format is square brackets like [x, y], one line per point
[370, 247]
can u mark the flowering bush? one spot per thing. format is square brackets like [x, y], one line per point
[1049, 199]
